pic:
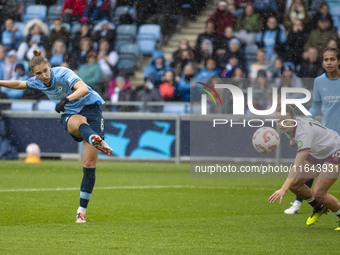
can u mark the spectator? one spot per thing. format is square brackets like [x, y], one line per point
[205, 52]
[320, 36]
[73, 10]
[120, 91]
[104, 30]
[210, 69]
[184, 44]
[107, 60]
[58, 53]
[10, 63]
[11, 37]
[238, 77]
[157, 67]
[183, 89]
[332, 44]
[184, 57]
[36, 36]
[85, 32]
[233, 50]
[230, 66]
[149, 94]
[289, 79]
[296, 40]
[97, 10]
[261, 82]
[20, 75]
[167, 88]
[311, 67]
[323, 11]
[260, 64]
[222, 44]
[297, 11]
[315, 5]
[275, 70]
[247, 25]
[209, 34]
[222, 18]
[79, 58]
[58, 32]
[272, 38]
[90, 72]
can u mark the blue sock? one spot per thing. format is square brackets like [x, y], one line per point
[86, 132]
[87, 185]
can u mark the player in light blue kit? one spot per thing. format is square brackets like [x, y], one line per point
[82, 116]
[326, 97]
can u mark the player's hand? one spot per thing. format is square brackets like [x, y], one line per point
[276, 195]
[60, 107]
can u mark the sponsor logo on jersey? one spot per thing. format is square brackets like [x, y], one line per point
[59, 88]
[300, 144]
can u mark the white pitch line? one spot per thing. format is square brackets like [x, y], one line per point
[103, 188]
[146, 187]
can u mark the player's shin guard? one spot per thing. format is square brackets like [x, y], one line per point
[86, 132]
[87, 185]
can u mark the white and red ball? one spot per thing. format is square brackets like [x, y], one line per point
[33, 150]
[266, 140]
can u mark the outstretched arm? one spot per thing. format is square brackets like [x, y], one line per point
[298, 166]
[13, 84]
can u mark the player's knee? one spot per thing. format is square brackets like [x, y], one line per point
[318, 194]
[89, 163]
[81, 120]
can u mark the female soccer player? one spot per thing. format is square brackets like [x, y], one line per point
[318, 155]
[326, 97]
[82, 116]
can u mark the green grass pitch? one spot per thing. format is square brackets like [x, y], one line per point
[151, 208]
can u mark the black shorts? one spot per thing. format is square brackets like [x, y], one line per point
[94, 117]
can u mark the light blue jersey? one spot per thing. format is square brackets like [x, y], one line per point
[326, 97]
[62, 82]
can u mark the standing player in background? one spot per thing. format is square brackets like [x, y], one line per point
[318, 155]
[82, 118]
[326, 97]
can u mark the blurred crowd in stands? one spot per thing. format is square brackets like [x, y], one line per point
[255, 43]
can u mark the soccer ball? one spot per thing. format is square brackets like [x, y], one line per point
[33, 150]
[266, 140]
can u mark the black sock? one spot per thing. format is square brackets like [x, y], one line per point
[87, 185]
[316, 205]
[86, 131]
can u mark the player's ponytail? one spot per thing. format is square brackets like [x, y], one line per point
[37, 59]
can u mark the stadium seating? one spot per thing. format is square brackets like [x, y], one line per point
[46, 106]
[149, 35]
[126, 33]
[36, 11]
[53, 13]
[22, 106]
[120, 10]
[129, 58]
[175, 108]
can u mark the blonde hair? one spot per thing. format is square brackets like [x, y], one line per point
[37, 59]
